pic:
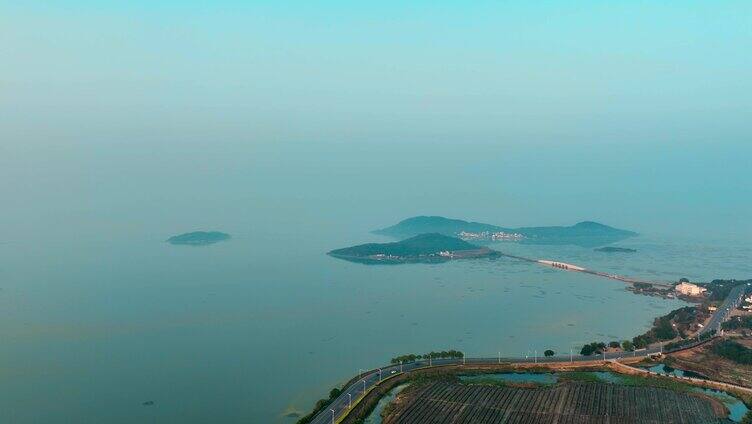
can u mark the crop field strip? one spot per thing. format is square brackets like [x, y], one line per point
[571, 403]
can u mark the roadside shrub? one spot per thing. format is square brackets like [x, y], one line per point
[591, 348]
[738, 322]
[320, 405]
[444, 354]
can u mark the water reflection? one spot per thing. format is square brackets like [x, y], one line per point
[375, 416]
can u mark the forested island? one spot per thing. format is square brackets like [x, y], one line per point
[427, 248]
[198, 238]
[585, 234]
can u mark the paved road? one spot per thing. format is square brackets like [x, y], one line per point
[369, 380]
[732, 301]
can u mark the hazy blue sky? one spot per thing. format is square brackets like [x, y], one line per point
[269, 71]
[546, 109]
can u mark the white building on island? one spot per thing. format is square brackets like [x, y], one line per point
[689, 289]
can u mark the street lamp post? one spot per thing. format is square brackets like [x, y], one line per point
[499, 357]
[332, 415]
[349, 401]
[379, 375]
[536, 356]
[364, 387]
[400, 366]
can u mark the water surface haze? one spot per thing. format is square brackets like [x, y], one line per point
[101, 314]
[300, 128]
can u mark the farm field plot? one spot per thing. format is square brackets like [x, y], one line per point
[570, 403]
[702, 360]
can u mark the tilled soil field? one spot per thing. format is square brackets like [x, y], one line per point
[570, 403]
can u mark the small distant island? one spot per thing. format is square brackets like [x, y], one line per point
[423, 248]
[584, 234]
[614, 249]
[198, 238]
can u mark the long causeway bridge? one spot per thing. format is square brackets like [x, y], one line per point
[571, 267]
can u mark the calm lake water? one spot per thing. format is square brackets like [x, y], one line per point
[233, 333]
[99, 315]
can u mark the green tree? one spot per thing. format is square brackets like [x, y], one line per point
[627, 345]
[591, 348]
[665, 330]
[641, 341]
[614, 344]
[549, 353]
[734, 351]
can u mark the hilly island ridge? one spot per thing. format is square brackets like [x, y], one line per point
[423, 248]
[584, 234]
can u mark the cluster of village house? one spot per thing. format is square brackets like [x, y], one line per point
[487, 235]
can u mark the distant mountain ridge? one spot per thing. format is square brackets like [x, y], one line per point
[435, 224]
[586, 233]
[431, 247]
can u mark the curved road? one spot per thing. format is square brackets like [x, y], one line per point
[340, 405]
[351, 393]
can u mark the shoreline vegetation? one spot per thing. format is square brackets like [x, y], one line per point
[676, 329]
[320, 405]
